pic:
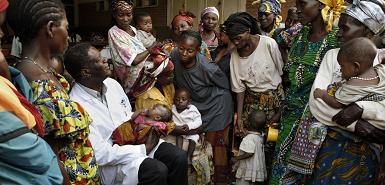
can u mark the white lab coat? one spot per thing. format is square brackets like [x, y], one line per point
[117, 164]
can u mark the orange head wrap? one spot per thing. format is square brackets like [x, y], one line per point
[184, 16]
[3, 5]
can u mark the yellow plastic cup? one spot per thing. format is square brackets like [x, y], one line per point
[272, 134]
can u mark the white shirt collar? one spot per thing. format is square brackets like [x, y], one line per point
[101, 96]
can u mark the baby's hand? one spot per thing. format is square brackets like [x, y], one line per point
[185, 128]
[233, 160]
[318, 93]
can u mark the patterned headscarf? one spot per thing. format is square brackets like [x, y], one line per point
[162, 67]
[205, 11]
[185, 16]
[270, 6]
[368, 13]
[331, 12]
[121, 4]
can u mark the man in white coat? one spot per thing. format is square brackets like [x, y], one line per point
[153, 163]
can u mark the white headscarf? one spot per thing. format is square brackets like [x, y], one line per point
[369, 13]
[210, 9]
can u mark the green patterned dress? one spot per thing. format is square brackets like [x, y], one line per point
[304, 60]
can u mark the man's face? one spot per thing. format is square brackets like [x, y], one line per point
[98, 66]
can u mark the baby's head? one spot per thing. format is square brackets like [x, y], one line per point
[182, 99]
[143, 21]
[292, 17]
[356, 56]
[257, 120]
[160, 112]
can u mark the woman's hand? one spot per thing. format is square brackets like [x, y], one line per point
[276, 117]
[154, 48]
[239, 129]
[198, 130]
[348, 115]
[369, 133]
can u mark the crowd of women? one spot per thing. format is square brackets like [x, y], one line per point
[227, 82]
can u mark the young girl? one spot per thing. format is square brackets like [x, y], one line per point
[143, 23]
[250, 164]
[363, 81]
[184, 113]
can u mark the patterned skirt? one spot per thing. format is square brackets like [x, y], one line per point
[343, 161]
[268, 101]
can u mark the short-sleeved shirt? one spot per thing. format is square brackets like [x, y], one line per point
[261, 71]
[254, 168]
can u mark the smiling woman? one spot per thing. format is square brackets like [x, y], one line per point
[269, 16]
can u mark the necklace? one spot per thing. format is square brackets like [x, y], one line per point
[364, 79]
[38, 65]
[48, 71]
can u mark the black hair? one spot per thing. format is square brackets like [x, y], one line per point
[361, 50]
[76, 58]
[138, 16]
[167, 117]
[192, 33]
[240, 22]
[257, 120]
[27, 17]
[180, 90]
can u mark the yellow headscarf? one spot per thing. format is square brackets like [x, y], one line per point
[331, 12]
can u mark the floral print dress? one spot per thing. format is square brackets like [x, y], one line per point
[67, 120]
